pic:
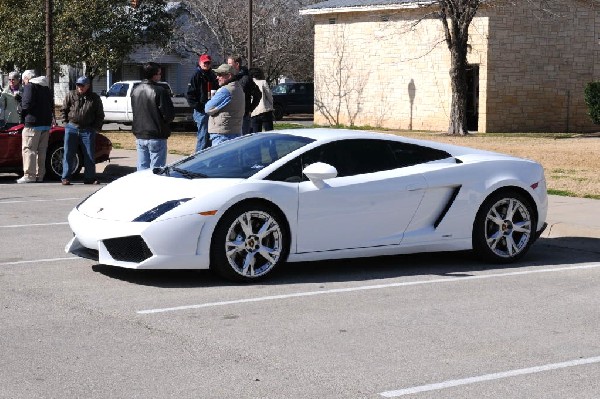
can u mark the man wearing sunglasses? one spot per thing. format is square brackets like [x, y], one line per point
[10, 102]
[199, 91]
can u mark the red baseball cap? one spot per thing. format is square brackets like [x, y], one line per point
[205, 57]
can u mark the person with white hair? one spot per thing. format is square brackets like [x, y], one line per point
[36, 114]
[10, 101]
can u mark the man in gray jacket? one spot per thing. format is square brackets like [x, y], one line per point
[83, 116]
[152, 112]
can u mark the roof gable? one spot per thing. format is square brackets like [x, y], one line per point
[335, 6]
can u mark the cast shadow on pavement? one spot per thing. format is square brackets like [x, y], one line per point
[546, 252]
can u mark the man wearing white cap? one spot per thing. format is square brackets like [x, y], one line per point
[36, 113]
[226, 108]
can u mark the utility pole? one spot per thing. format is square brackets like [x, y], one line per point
[49, 55]
[249, 34]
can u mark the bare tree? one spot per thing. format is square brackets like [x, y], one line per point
[456, 17]
[282, 39]
[339, 89]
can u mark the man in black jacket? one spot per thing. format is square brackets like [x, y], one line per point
[152, 112]
[83, 115]
[36, 114]
[203, 83]
[251, 90]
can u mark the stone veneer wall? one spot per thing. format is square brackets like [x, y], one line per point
[387, 73]
[539, 66]
[394, 73]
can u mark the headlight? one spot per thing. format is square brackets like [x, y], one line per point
[158, 211]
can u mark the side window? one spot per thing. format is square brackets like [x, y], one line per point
[118, 90]
[364, 156]
[411, 154]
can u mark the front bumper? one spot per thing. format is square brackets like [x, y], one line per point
[168, 244]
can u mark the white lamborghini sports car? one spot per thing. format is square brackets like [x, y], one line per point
[246, 206]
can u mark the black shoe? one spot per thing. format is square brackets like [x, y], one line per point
[91, 181]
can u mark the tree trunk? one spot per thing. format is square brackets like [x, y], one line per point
[458, 82]
[456, 16]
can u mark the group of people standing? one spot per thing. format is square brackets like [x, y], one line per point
[31, 104]
[227, 102]
[242, 104]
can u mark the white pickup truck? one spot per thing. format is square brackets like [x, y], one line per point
[117, 103]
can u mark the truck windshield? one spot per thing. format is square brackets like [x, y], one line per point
[118, 90]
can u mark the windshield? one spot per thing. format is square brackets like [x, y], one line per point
[280, 89]
[118, 90]
[239, 158]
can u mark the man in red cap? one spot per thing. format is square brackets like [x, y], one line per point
[199, 92]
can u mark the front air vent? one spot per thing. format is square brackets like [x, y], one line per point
[128, 249]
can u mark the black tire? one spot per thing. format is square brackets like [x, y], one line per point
[504, 228]
[278, 112]
[239, 256]
[54, 161]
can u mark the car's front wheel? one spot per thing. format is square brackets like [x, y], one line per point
[54, 161]
[504, 227]
[249, 242]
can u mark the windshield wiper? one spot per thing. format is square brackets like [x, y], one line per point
[189, 175]
[161, 171]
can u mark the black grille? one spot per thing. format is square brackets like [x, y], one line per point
[128, 249]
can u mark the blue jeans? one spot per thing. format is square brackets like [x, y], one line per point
[75, 136]
[151, 153]
[203, 140]
[246, 124]
[216, 138]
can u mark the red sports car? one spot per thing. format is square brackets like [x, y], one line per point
[11, 160]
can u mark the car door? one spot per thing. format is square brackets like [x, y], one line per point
[10, 149]
[369, 204]
[117, 103]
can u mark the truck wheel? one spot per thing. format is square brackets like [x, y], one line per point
[278, 112]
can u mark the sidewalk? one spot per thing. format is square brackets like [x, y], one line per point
[567, 216]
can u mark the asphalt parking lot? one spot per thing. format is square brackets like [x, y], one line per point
[423, 326]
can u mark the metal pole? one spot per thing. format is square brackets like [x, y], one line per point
[49, 55]
[249, 34]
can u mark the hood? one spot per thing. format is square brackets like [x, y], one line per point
[40, 80]
[132, 195]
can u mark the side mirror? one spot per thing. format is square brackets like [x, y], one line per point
[103, 93]
[319, 171]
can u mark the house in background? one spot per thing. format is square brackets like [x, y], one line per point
[375, 65]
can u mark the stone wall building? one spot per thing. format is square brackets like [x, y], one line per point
[384, 63]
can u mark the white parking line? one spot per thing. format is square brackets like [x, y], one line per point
[370, 287]
[34, 224]
[39, 200]
[489, 377]
[38, 261]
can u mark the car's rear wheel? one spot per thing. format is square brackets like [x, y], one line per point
[54, 161]
[504, 228]
[249, 242]
[278, 112]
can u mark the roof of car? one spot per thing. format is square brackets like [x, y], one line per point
[330, 134]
